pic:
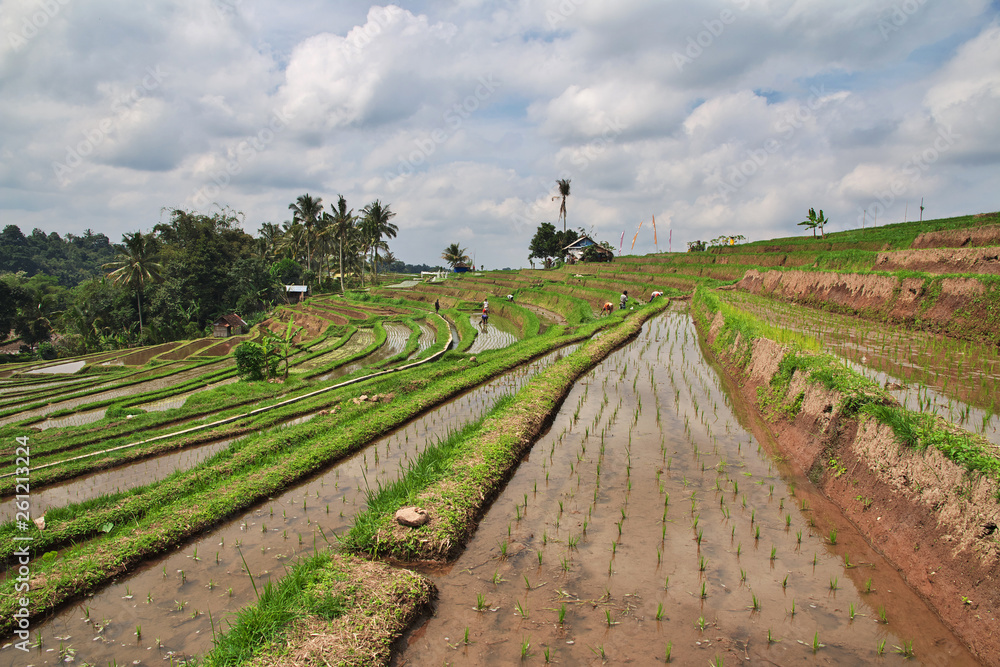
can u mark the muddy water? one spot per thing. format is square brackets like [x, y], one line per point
[963, 371]
[68, 368]
[637, 517]
[361, 339]
[178, 400]
[495, 335]
[395, 342]
[170, 598]
[113, 392]
[428, 336]
[114, 480]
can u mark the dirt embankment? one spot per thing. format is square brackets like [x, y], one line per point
[968, 237]
[924, 513]
[966, 308]
[942, 260]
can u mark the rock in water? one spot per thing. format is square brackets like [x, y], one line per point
[412, 516]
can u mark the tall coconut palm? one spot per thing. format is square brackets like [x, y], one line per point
[375, 217]
[306, 211]
[454, 254]
[342, 225]
[135, 265]
[563, 184]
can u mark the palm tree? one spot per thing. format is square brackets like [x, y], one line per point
[376, 224]
[563, 184]
[454, 255]
[342, 224]
[135, 265]
[306, 212]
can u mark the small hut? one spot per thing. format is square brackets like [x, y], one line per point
[228, 325]
[577, 248]
[461, 267]
[296, 293]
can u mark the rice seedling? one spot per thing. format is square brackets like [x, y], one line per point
[138, 631]
[739, 549]
[774, 552]
[880, 647]
[784, 582]
[833, 536]
[521, 610]
[659, 611]
[868, 586]
[704, 590]
[792, 611]
[670, 646]
[850, 611]
[882, 618]
[525, 646]
[816, 646]
[743, 575]
[833, 583]
[527, 584]
[610, 620]
[701, 623]
[754, 602]
[906, 649]
[562, 614]
[702, 564]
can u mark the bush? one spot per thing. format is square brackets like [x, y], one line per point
[252, 363]
[47, 350]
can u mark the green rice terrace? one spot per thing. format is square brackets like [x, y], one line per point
[831, 403]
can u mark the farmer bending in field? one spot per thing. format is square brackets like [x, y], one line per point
[607, 308]
[510, 297]
[654, 295]
[486, 318]
[623, 300]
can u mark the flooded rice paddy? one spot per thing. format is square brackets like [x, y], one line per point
[957, 380]
[168, 600]
[649, 522]
[496, 334]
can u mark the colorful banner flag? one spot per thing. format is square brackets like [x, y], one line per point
[655, 243]
[621, 244]
[636, 236]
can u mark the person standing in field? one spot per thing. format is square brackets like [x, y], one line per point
[486, 305]
[437, 306]
[623, 300]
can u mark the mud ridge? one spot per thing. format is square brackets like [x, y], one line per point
[963, 307]
[928, 516]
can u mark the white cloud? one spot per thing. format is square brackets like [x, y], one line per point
[258, 103]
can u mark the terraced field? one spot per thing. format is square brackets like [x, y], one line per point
[579, 473]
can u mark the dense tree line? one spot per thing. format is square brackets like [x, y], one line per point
[86, 294]
[69, 260]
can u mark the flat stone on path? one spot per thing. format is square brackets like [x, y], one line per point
[412, 516]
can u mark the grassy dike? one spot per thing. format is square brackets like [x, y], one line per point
[330, 609]
[474, 468]
[149, 520]
[455, 480]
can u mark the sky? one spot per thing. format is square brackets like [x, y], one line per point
[716, 117]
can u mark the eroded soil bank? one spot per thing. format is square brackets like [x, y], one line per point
[925, 514]
[963, 307]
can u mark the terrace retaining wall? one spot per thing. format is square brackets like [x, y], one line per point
[931, 519]
[966, 308]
